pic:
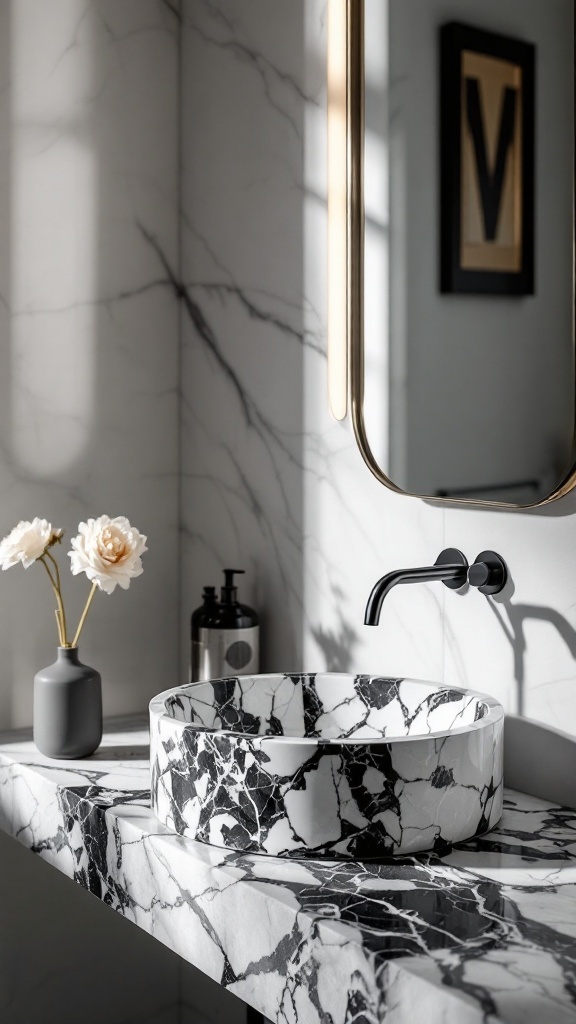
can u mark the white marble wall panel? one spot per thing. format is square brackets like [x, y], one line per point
[270, 481]
[243, 452]
[89, 324]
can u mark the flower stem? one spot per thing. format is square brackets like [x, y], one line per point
[60, 608]
[84, 614]
[59, 591]
[61, 635]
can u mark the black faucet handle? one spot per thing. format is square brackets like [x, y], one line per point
[488, 573]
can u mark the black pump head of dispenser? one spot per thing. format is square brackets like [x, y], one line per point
[229, 592]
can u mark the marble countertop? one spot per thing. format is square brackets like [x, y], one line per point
[484, 933]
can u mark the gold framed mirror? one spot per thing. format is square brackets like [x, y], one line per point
[460, 386]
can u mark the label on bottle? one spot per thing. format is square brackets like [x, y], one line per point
[228, 652]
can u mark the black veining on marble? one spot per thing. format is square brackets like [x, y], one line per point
[336, 787]
[436, 909]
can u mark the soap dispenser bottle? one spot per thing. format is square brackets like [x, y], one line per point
[229, 639]
[202, 618]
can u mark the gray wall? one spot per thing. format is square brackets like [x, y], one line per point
[89, 327]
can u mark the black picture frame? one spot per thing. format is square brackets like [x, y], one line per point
[456, 276]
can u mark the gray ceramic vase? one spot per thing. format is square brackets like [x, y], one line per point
[67, 707]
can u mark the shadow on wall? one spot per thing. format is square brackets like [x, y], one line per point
[518, 614]
[338, 646]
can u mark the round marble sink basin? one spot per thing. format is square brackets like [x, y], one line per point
[326, 764]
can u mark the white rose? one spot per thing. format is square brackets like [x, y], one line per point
[108, 551]
[27, 542]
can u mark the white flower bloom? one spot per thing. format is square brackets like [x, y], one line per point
[108, 551]
[27, 542]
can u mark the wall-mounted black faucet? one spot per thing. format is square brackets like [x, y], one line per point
[488, 574]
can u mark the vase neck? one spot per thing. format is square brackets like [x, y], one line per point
[68, 655]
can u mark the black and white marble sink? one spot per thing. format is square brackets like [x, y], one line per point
[326, 765]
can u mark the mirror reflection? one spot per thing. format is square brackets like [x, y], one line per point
[469, 301]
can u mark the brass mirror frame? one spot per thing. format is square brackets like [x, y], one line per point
[351, 65]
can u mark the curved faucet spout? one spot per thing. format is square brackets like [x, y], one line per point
[447, 569]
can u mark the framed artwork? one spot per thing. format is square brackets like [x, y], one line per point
[486, 162]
